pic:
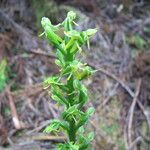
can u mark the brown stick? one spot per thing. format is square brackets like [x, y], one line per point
[41, 52]
[130, 92]
[15, 117]
[138, 139]
[49, 137]
[29, 91]
[131, 112]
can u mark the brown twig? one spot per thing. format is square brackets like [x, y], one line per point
[131, 112]
[30, 91]
[108, 98]
[138, 139]
[49, 137]
[15, 117]
[116, 79]
[39, 51]
[130, 92]
[44, 124]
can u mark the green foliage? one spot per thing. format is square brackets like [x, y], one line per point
[67, 88]
[3, 77]
[137, 41]
[146, 29]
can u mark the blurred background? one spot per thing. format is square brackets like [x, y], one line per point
[119, 91]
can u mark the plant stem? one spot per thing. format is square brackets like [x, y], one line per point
[72, 125]
[72, 131]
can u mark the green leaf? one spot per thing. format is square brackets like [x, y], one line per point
[137, 41]
[91, 32]
[76, 84]
[67, 146]
[73, 33]
[83, 142]
[90, 136]
[58, 63]
[3, 72]
[147, 29]
[66, 70]
[70, 112]
[59, 100]
[84, 117]
[82, 121]
[52, 37]
[81, 130]
[52, 80]
[90, 111]
[60, 56]
[67, 23]
[49, 30]
[54, 126]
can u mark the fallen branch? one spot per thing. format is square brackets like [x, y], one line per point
[131, 112]
[49, 137]
[108, 98]
[137, 140]
[14, 114]
[129, 91]
[29, 91]
[39, 51]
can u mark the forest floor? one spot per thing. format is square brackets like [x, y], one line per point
[119, 91]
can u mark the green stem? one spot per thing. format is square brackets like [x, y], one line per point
[72, 131]
[71, 88]
[72, 124]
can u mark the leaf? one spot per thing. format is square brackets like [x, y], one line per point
[70, 111]
[83, 97]
[90, 111]
[60, 56]
[67, 146]
[52, 37]
[66, 70]
[50, 31]
[59, 100]
[67, 23]
[73, 33]
[81, 130]
[76, 84]
[52, 80]
[91, 32]
[54, 126]
[83, 119]
[137, 41]
[147, 29]
[83, 142]
[62, 147]
[90, 136]
[3, 74]
[58, 63]
[87, 71]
